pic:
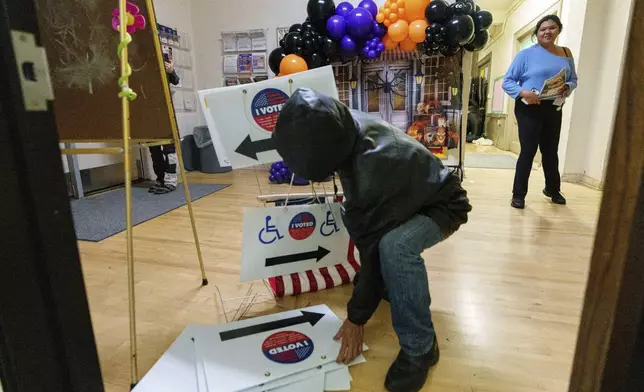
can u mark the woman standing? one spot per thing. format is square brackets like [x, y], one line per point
[539, 117]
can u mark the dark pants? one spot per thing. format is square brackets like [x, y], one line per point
[161, 162]
[539, 127]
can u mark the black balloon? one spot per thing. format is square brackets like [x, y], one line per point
[459, 8]
[307, 34]
[460, 30]
[478, 8]
[441, 35]
[437, 11]
[319, 11]
[292, 41]
[275, 59]
[307, 26]
[470, 6]
[295, 28]
[481, 39]
[316, 60]
[309, 46]
[435, 27]
[282, 43]
[449, 50]
[483, 20]
[330, 48]
[299, 51]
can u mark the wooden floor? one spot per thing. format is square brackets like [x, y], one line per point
[507, 288]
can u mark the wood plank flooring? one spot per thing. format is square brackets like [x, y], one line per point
[507, 288]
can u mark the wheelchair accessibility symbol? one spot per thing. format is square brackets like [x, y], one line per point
[270, 233]
[329, 226]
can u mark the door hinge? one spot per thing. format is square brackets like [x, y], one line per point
[33, 69]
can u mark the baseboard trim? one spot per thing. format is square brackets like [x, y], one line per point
[580, 178]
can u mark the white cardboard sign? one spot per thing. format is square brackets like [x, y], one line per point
[251, 352]
[278, 241]
[244, 116]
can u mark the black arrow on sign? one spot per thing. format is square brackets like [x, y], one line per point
[316, 254]
[306, 317]
[250, 148]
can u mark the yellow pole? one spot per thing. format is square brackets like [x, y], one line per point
[125, 106]
[177, 143]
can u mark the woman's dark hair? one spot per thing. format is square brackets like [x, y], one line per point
[546, 18]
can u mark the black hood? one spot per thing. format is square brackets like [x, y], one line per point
[315, 134]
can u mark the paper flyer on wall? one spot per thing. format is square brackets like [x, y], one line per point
[259, 62]
[244, 63]
[229, 41]
[244, 42]
[258, 40]
[554, 87]
[230, 64]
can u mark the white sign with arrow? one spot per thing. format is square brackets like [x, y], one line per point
[245, 116]
[279, 241]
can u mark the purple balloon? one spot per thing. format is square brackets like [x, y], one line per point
[381, 47]
[271, 178]
[344, 9]
[372, 54]
[279, 165]
[274, 166]
[370, 6]
[284, 172]
[377, 30]
[359, 23]
[336, 26]
[348, 46]
[274, 170]
[279, 179]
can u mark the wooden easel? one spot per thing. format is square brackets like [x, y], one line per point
[125, 146]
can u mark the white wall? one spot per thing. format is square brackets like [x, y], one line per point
[601, 62]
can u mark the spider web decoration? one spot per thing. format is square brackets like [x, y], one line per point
[397, 83]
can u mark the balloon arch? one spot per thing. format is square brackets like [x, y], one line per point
[344, 33]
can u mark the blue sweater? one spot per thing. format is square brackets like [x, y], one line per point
[533, 66]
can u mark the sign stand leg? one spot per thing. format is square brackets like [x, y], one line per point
[184, 179]
[247, 301]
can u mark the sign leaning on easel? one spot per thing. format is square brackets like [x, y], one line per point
[96, 79]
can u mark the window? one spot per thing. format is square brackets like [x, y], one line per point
[437, 85]
[399, 87]
[372, 92]
[342, 76]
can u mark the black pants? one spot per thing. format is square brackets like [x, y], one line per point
[160, 162]
[539, 127]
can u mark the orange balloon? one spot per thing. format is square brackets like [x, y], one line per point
[393, 18]
[417, 30]
[397, 31]
[408, 45]
[386, 12]
[415, 9]
[380, 18]
[292, 64]
[389, 44]
[387, 23]
[401, 3]
[394, 7]
[401, 13]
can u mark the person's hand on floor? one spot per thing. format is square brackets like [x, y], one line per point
[352, 336]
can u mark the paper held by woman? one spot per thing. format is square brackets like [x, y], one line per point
[553, 88]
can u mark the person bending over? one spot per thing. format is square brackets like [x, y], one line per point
[400, 200]
[164, 158]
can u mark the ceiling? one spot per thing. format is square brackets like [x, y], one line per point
[496, 5]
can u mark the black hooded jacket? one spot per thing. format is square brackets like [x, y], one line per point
[387, 178]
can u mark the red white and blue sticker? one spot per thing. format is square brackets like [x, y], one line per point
[287, 347]
[302, 226]
[266, 107]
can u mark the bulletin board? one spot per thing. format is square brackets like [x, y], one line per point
[498, 96]
[81, 50]
[244, 55]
